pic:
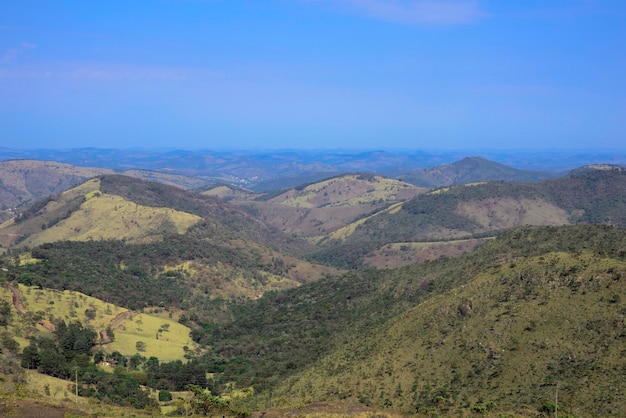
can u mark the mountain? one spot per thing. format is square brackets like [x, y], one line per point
[264, 170]
[495, 318]
[464, 215]
[23, 181]
[316, 209]
[159, 231]
[536, 310]
[471, 170]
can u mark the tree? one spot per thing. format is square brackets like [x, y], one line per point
[5, 313]
[54, 364]
[165, 396]
[30, 356]
[140, 346]
[203, 403]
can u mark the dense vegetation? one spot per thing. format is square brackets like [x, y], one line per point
[66, 354]
[283, 333]
[130, 275]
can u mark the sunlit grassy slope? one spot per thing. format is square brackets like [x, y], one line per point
[164, 338]
[315, 210]
[348, 190]
[104, 216]
[505, 339]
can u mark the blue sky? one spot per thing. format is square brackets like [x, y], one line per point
[214, 74]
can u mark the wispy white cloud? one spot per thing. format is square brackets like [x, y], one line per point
[417, 12]
[12, 54]
[124, 72]
[512, 89]
[90, 71]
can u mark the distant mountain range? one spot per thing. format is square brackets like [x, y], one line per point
[271, 170]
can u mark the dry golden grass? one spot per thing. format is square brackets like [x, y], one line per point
[100, 216]
[53, 305]
[105, 216]
[348, 190]
[163, 338]
[500, 213]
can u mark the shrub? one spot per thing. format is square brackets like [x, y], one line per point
[165, 396]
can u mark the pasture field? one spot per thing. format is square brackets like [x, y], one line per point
[162, 337]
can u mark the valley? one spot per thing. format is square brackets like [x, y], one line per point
[469, 288]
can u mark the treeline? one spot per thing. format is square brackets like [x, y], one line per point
[66, 353]
[129, 275]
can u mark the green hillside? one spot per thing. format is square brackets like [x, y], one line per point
[494, 319]
[286, 333]
[505, 340]
[43, 307]
[137, 243]
[99, 216]
[480, 210]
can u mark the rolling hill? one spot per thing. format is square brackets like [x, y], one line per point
[497, 329]
[487, 316]
[317, 209]
[475, 211]
[199, 245]
[23, 181]
[471, 170]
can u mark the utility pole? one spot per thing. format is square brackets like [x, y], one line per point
[76, 384]
[556, 402]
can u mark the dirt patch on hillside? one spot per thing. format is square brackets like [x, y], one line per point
[33, 409]
[322, 408]
[503, 213]
[15, 295]
[121, 317]
[400, 255]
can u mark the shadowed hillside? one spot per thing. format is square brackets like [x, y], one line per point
[480, 210]
[471, 170]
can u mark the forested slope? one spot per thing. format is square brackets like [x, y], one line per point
[344, 321]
